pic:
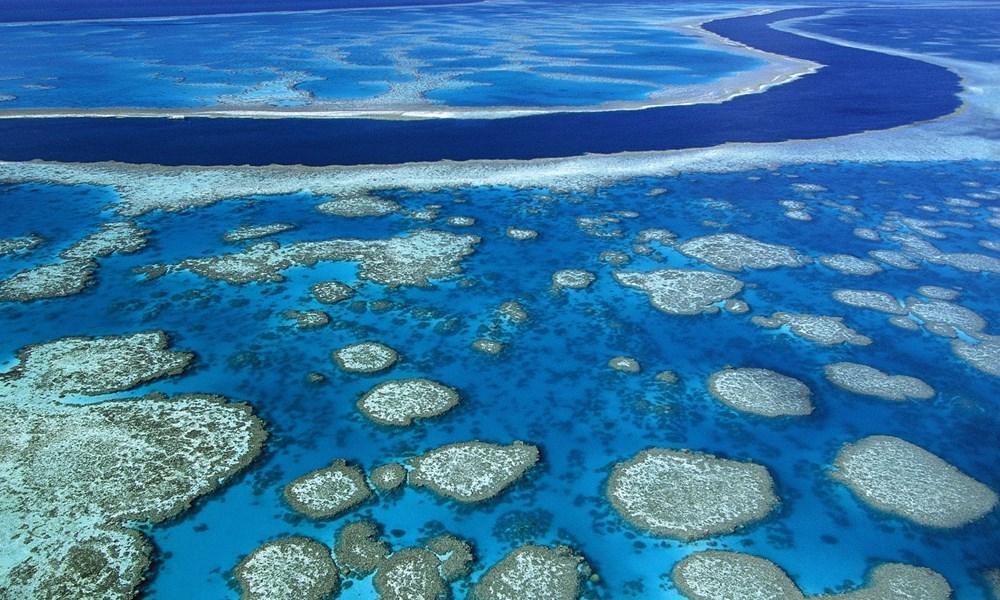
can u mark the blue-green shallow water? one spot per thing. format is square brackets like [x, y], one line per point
[551, 386]
[493, 53]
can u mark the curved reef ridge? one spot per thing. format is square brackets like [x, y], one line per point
[826, 100]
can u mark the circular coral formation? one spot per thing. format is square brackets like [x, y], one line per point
[615, 257]
[869, 381]
[901, 478]
[872, 299]
[455, 554]
[574, 279]
[688, 495]
[360, 549]
[308, 319]
[408, 574]
[736, 306]
[513, 311]
[735, 252]
[358, 205]
[332, 292]
[717, 575]
[461, 221]
[328, 492]
[400, 401]
[534, 572]
[293, 568]
[56, 280]
[365, 357]
[682, 292]
[520, 234]
[388, 477]
[761, 392]
[472, 471]
[487, 346]
[667, 377]
[827, 331]
[850, 265]
[625, 364]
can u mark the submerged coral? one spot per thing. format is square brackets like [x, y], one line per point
[681, 292]
[399, 402]
[869, 381]
[735, 252]
[896, 476]
[761, 391]
[828, 331]
[534, 572]
[688, 495]
[328, 492]
[365, 357]
[292, 568]
[714, 575]
[472, 471]
[413, 259]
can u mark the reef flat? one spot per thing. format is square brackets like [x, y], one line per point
[687, 495]
[534, 572]
[326, 493]
[288, 569]
[821, 329]
[716, 575]
[76, 478]
[761, 392]
[901, 478]
[400, 402]
[552, 383]
[679, 292]
[414, 259]
[869, 381]
[472, 471]
[735, 252]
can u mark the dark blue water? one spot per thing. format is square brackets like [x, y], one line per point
[968, 34]
[856, 91]
[12, 11]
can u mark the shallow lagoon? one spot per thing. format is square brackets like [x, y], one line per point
[584, 415]
[324, 58]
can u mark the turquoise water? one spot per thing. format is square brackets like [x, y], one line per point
[551, 386]
[352, 57]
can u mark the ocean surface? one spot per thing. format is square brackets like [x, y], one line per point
[551, 386]
[850, 94]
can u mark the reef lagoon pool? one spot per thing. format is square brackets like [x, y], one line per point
[740, 346]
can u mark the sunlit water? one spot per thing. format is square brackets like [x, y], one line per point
[551, 386]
